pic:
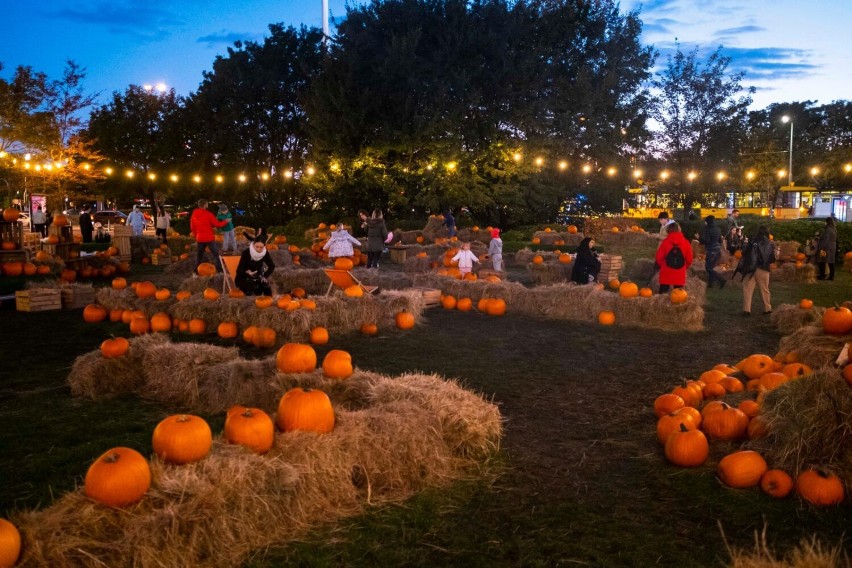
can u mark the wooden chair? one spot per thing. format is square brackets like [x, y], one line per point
[229, 271]
[344, 279]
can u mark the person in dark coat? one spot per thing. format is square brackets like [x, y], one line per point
[586, 265]
[827, 250]
[757, 264]
[671, 276]
[254, 268]
[711, 238]
[450, 222]
[86, 226]
[377, 232]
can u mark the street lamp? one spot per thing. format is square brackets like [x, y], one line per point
[785, 119]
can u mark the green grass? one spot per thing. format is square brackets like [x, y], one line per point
[580, 478]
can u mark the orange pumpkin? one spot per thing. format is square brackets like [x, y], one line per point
[319, 336]
[145, 289]
[337, 364]
[296, 358]
[264, 337]
[139, 325]
[10, 544]
[727, 423]
[820, 488]
[263, 302]
[60, 220]
[496, 307]
[10, 214]
[161, 322]
[671, 423]
[464, 304]
[678, 296]
[628, 290]
[210, 294]
[755, 366]
[119, 477]
[94, 313]
[606, 317]
[236, 293]
[742, 469]
[307, 410]
[448, 302]
[404, 320]
[116, 347]
[537, 259]
[206, 269]
[250, 427]
[666, 404]
[183, 295]
[182, 439]
[115, 314]
[298, 293]
[343, 263]
[806, 304]
[776, 483]
[227, 330]
[837, 321]
[309, 305]
[687, 448]
[197, 326]
[162, 294]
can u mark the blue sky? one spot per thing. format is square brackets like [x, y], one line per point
[790, 49]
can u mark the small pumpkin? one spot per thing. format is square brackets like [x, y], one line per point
[666, 404]
[250, 427]
[728, 423]
[139, 325]
[206, 269]
[742, 469]
[263, 302]
[343, 263]
[307, 410]
[678, 296]
[227, 330]
[94, 313]
[496, 307]
[182, 438]
[820, 488]
[118, 478]
[806, 304]
[197, 326]
[755, 366]
[448, 302]
[161, 322]
[369, 329]
[606, 317]
[10, 543]
[116, 347]
[210, 294]
[464, 304]
[319, 336]
[646, 293]
[354, 291]
[145, 289]
[628, 290]
[776, 483]
[264, 337]
[404, 320]
[337, 364]
[671, 423]
[162, 294]
[183, 295]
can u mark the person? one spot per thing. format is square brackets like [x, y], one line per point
[734, 240]
[202, 223]
[377, 232]
[101, 235]
[254, 268]
[495, 250]
[664, 220]
[136, 220]
[363, 217]
[229, 238]
[465, 258]
[673, 263]
[827, 250]
[812, 249]
[39, 221]
[340, 243]
[754, 267]
[48, 221]
[733, 219]
[586, 265]
[86, 227]
[163, 222]
[711, 238]
[450, 223]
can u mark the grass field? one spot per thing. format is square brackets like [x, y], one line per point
[580, 479]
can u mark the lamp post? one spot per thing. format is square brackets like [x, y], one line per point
[785, 119]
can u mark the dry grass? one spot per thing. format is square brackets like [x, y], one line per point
[809, 425]
[582, 303]
[394, 436]
[788, 318]
[550, 272]
[815, 347]
[810, 553]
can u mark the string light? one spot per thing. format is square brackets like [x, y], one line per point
[539, 161]
[563, 165]
[196, 178]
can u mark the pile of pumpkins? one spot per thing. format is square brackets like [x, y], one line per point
[693, 412]
[490, 306]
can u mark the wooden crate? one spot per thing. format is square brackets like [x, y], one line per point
[161, 259]
[32, 241]
[121, 241]
[65, 251]
[12, 232]
[38, 300]
[65, 234]
[398, 254]
[431, 296]
[77, 297]
[14, 255]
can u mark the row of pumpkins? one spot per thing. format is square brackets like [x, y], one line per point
[490, 306]
[121, 476]
[683, 430]
[570, 229]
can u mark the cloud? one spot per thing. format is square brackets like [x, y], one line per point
[226, 37]
[758, 63]
[143, 20]
[739, 30]
[659, 26]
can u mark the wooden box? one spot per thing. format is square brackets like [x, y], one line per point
[14, 255]
[65, 234]
[398, 254]
[12, 232]
[77, 297]
[65, 251]
[38, 300]
[121, 240]
[161, 259]
[431, 296]
[32, 240]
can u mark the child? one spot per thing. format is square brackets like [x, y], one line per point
[495, 250]
[811, 248]
[229, 239]
[466, 259]
[340, 243]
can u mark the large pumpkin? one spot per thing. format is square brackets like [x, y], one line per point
[94, 313]
[687, 448]
[666, 403]
[250, 427]
[139, 325]
[837, 320]
[296, 358]
[182, 438]
[448, 302]
[146, 289]
[671, 423]
[206, 269]
[263, 302]
[606, 317]
[404, 320]
[343, 263]
[307, 410]
[337, 364]
[820, 488]
[496, 307]
[742, 469]
[628, 290]
[10, 214]
[755, 366]
[120, 477]
[10, 544]
[678, 296]
[227, 330]
[728, 423]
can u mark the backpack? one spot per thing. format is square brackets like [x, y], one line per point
[749, 262]
[674, 258]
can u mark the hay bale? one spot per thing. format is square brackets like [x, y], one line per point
[417, 264]
[815, 347]
[642, 269]
[97, 378]
[549, 272]
[787, 250]
[808, 424]
[522, 258]
[407, 237]
[394, 436]
[475, 236]
[787, 318]
[435, 228]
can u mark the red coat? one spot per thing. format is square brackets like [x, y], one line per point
[674, 276]
[202, 222]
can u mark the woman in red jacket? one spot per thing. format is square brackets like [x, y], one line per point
[673, 263]
[202, 223]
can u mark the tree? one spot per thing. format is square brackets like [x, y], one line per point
[701, 114]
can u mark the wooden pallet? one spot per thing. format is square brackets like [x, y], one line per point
[77, 297]
[14, 255]
[12, 232]
[38, 300]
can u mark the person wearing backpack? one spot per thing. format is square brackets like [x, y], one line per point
[711, 238]
[673, 257]
[754, 267]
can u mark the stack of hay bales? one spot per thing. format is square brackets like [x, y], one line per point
[629, 238]
[814, 347]
[788, 318]
[787, 250]
[435, 228]
[142, 247]
[554, 238]
[582, 303]
[551, 270]
[394, 436]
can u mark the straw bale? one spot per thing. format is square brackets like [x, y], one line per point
[405, 434]
[480, 235]
[815, 347]
[523, 257]
[549, 272]
[97, 378]
[408, 237]
[809, 553]
[809, 426]
[417, 264]
[582, 303]
[434, 228]
[787, 318]
[182, 267]
[385, 280]
[547, 238]
[787, 249]
[642, 269]
[312, 280]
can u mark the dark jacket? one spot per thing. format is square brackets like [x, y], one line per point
[586, 264]
[711, 236]
[827, 243]
[263, 267]
[86, 223]
[449, 220]
[377, 232]
[765, 253]
[674, 276]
